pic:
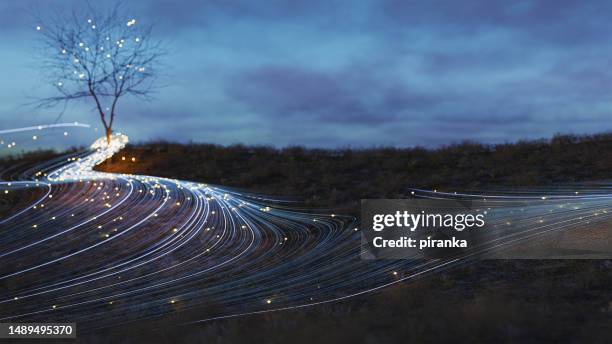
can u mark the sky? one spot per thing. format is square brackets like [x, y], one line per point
[345, 73]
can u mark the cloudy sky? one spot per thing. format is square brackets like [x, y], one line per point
[347, 73]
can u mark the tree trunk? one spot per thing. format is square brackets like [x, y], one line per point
[108, 135]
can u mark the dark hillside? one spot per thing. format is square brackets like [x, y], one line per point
[339, 178]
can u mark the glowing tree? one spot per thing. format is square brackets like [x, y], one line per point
[100, 57]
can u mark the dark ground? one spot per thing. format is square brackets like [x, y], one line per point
[489, 301]
[340, 178]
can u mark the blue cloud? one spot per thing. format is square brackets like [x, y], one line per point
[337, 73]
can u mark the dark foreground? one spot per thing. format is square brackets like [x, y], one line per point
[504, 301]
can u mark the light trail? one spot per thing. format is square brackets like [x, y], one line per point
[107, 249]
[44, 126]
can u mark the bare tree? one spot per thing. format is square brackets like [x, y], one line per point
[99, 56]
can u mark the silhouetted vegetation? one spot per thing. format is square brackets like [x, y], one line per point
[340, 178]
[519, 301]
[503, 301]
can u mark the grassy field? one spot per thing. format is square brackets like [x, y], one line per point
[503, 301]
[340, 178]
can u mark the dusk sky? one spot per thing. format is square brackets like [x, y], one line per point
[347, 73]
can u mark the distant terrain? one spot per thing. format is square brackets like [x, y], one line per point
[340, 178]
